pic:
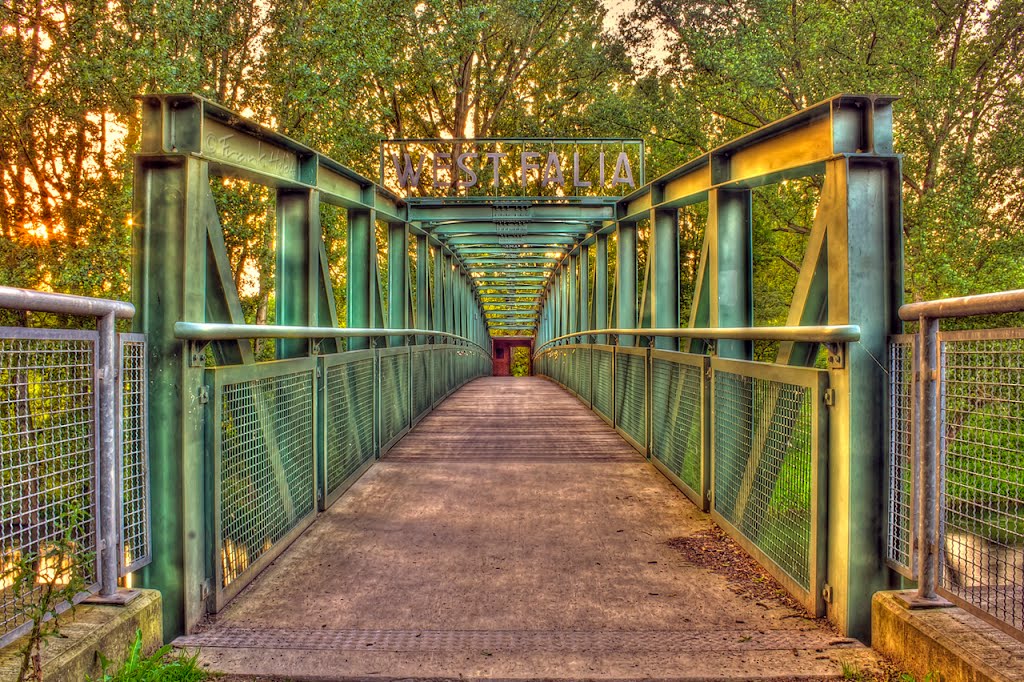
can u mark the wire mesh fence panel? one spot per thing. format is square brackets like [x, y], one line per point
[900, 528]
[47, 468]
[768, 443]
[422, 389]
[677, 422]
[982, 471]
[631, 395]
[437, 373]
[603, 381]
[135, 506]
[265, 465]
[348, 417]
[585, 354]
[394, 395]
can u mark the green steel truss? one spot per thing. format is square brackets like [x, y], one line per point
[521, 264]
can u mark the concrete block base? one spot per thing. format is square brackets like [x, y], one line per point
[88, 631]
[956, 645]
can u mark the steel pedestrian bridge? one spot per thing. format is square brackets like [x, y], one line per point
[283, 494]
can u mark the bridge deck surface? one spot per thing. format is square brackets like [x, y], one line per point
[513, 535]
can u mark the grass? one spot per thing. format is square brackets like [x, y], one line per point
[159, 666]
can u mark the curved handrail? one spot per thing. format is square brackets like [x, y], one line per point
[63, 304]
[811, 334]
[964, 306]
[216, 331]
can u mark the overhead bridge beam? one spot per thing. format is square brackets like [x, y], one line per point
[568, 212]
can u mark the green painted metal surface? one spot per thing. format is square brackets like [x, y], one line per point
[517, 264]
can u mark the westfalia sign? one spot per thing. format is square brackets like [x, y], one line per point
[438, 168]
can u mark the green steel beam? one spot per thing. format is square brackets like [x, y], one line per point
[169, 284]
[601, 285]
[731, 266]
[298, 265]
[560, 213]
[360, 265]
[584, 289]
[423, 299]
[572, 292]
[488, 239]
[398, 280]
[798, 145]
[625, 278]
[665, 284]
[236, 146]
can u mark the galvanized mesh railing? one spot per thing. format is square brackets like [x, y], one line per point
[49, 476]
[290, 433]
[982, 471]
[631, 395]
[422, 397]
[758, 431]
[395, 414]
[603, 380]
[900, 526]
[768, 425]
[264, 461]
[48, 489]
[349, 398]
[678, 390]
[136, 550]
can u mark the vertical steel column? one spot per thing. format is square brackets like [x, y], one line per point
[449, 294]
[862, 206]
[730, 256]
[438, 316]
[574, 319]
[298, 265]
[601, 287]
[626, 279]
[584, 287]
[665, 287]
[423, 266]
[169, 284]
[360, 267]
[559, 305]
[463, 304]
[398, 281]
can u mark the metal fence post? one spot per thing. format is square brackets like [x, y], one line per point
[109, 423]
[928, 526]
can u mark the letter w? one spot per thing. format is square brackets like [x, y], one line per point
[406, 175]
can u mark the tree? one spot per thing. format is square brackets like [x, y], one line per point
[957, 66]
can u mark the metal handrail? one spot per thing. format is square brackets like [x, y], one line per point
[214, 331]
[965, 306]
[63, 304]
[811, 334]
[106, 313]
[927, 378]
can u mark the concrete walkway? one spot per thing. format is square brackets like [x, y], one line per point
[512, 535]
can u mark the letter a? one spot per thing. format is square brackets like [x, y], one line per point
[553, 164]
[623, 173]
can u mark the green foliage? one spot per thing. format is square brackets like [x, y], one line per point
[159, 666]
[43, 580]
[520, 363]
[341, 74]
[727, 67]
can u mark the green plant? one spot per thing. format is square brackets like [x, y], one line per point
[930, 677]
[45, 579]
[157, 667]
[851, 672]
